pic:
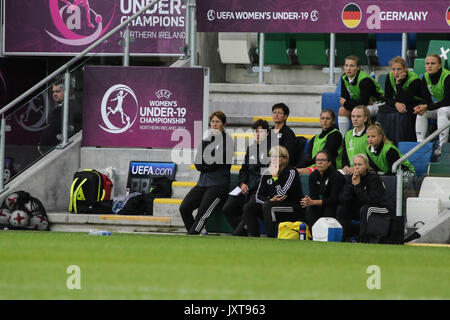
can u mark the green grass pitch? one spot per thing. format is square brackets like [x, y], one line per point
[35, 265]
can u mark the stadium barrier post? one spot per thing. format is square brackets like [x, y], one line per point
[192, 38]
[399, 201]
[404, 45]
[332, 57]
[65, 111]
[126, 49]
[2, 151]
[261, 58]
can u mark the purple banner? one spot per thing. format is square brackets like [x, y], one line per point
[323, 16]
[142, 106]
[67, 27]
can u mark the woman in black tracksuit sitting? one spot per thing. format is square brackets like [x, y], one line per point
[213, 160]
[277, 197]
[362, 196]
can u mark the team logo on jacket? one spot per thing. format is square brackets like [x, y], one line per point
[351, 15]
[78, 22]
[119, 109]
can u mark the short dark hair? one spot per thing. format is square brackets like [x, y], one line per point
[281, 106]
[325, 152]
[219, 114]
[354, 58]
[331, 112]
[260, 123]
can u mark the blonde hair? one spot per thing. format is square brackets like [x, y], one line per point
[363, 157]
[399, 60]
[279, 151]
[380, 131]
[366, 113]
[434, 55]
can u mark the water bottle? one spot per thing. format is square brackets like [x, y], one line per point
[302, 231]
[99, 233]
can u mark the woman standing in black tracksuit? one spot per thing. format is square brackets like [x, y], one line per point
[278, 196]
[213, 160]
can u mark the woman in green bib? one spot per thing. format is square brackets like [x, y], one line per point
[357, 88]
[383, 154]
[355, 140]
[403, 91]
[436, 91]
[329, 139]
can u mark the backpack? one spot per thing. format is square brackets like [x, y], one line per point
[21, 211]
[161, 187]
[88, 187]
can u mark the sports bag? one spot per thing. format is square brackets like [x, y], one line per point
[88, 187]
[291, 230]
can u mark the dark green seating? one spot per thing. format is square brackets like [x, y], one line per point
[435, 47]
[419, 66]
[436, 169]
[312, 48]
[382, 80]
[276, 46]
[423, 41]
[351, 44]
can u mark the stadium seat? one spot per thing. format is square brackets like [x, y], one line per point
[389, 45]
[311, 48]
[419, 66]
[276, 47]
[235, 47]
[382, 80]
[351, 44]
[420, 158]
[423, 41]
[431, 201]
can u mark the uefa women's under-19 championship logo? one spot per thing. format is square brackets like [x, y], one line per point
[119, 109]
[78, 22]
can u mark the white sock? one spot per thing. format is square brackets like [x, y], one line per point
[344, 124]
[421, 127]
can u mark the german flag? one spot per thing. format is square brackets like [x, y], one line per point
[351, 15]
[448, 16]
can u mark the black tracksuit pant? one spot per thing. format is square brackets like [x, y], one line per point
[345, 215]
[206, 200]
[272, 212]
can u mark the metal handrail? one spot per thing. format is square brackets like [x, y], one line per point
[396, 167]
[76, 58]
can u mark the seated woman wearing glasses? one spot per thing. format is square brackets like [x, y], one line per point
[278, 196]
[325, 184]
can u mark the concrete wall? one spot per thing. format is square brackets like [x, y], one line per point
[50, 178]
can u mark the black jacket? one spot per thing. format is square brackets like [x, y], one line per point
[213, 160]
[327, 187]
[334, 141]
[286, 138]
[256, 159]
[288, 183]
[369, 192]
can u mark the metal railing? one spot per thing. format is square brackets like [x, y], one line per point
[396, 167]
[189, 52]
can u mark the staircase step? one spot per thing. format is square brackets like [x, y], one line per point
[65, 221]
